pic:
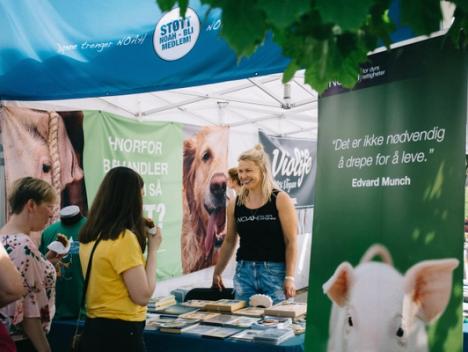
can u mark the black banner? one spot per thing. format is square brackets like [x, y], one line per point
[294, 164]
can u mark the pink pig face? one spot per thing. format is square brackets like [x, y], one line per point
[376, 309]
[32, 157]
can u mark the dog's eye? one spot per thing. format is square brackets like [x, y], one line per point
[206, 156]
[400, 332]
[350, 321]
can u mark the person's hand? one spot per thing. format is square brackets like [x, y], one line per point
[289, 288]
[54, 257]
[154, 241]
[217, 282]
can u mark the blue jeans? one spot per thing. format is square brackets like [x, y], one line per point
[259, 277]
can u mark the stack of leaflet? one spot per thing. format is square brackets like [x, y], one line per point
[245, 335]
[287, 309]
[159, 303]
[175, 310]
[269, 322]
[178, 326]
[231, 320]
[197, 303]
[200, 315]
[154, 321]
[250, 311]
[225, 305]
[273, 336]
[209, 331]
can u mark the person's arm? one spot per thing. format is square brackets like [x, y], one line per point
[288, 219]
[33, 329]
[227, 248]
[141, 281]
[11, 284]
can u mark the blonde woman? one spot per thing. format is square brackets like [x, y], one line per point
[264, 219]
[32, 203]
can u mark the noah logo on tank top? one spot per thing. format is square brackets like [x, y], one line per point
[268, 217]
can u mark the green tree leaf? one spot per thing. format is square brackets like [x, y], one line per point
[462, 4]
[244, 26]
[282, 13]
[166, 5]
[423, 16]
[288, 74]
[329, 38]
[183, 7]
[347, 14]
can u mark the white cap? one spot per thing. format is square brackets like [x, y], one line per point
[70, 211]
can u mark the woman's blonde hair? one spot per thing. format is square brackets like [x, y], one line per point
[27, 188]
[258, 156]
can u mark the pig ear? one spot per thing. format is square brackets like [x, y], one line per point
[428, 286]
[337, 288]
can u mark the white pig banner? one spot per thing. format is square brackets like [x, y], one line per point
[293, 163]
[386, 263]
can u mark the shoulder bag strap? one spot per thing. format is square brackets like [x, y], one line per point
[85, 286]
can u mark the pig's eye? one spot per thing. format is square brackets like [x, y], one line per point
[400, 332]
[46, 167]
[350, 321]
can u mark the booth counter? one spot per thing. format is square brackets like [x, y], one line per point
[62, 332]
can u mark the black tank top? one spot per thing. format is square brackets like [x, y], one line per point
[261, 236]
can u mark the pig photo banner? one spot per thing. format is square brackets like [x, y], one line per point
[386, 263]
[154, 150]
[293, 164]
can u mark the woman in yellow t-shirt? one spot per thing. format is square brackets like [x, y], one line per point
[120, 282]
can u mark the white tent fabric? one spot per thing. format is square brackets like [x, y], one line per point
[268, 104]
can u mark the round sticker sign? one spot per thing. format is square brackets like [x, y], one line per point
[175, 36]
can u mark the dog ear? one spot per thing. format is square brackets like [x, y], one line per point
[189, 157]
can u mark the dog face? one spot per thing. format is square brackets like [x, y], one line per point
[205, 165]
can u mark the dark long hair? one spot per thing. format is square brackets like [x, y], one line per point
[118, 206]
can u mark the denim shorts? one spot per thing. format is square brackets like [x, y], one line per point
[259, 277]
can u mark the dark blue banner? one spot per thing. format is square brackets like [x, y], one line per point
[293, 164]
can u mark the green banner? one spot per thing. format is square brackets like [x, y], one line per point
[154, 150]
[386, 262]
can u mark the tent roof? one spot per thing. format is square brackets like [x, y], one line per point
[265, 101]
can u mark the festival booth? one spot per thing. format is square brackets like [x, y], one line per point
[141, 88]
[129, 77]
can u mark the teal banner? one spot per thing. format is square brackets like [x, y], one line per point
[154, 150]
[386, 263]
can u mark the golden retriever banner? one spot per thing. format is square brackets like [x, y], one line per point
[204, 195]
[184, 169]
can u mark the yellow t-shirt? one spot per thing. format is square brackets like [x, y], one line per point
[107, 296]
